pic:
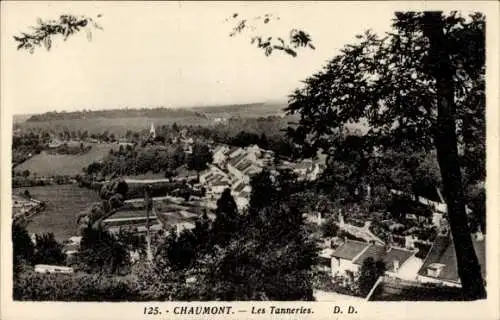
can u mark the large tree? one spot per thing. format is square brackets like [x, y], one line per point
[200, 158]
[420, 87]
[48, 250]
[23, 248]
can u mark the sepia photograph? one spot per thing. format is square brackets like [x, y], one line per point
[246, 152]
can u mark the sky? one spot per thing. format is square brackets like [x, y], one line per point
[170, 54]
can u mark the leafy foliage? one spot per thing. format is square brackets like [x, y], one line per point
[75, 287]
[261, 256]
[44, 31]
[329, 228]
[385, 83]
[200, 158]
[296, 39]
[226, 221]
[48, 250]
[101, 251]
[370, 271]
[420, 87]
[22, 246]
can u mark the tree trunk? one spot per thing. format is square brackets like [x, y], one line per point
[446, 144]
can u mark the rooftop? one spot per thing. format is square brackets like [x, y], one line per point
[350, 249]
[245, 164]
[399, 290]
[234, 161]
[442, 254]
[233, 149]
[240, 186]
[378, 252]
[245, 194]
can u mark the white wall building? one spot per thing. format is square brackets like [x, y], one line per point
[400, 263]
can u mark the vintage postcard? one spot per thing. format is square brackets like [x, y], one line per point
[249, 160]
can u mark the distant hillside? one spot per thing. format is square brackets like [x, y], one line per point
[20, 118]
[241, 110]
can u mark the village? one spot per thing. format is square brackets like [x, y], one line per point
[340, 256]
[275, 157]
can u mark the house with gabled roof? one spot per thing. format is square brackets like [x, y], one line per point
[219, 154]
[440, 265]
[235, 151]
[399, 262]
[343, 257]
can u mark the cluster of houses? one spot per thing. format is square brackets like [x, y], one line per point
[306, 169]
[438, 267]
[233, 167]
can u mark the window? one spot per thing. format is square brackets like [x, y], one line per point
[434, 269]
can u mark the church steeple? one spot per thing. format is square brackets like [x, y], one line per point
[152, 131]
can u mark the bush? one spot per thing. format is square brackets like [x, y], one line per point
[329, 228]
[48, 250]
[370, 271]
[344, 234]
[74, 287]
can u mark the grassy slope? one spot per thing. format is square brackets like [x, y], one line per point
[48, 165]
[63, 204]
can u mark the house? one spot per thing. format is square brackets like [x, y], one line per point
[242, 199]
[302, 168]
[231, 167]
[240, 186]
[437, 207]
[325, 259]
[210, 175]
[219, 154]
[43, 268]
[187, 145]
[344, 256]
[306, 169]
[216, 189]
[179, 227]
[220, 120]
[400, 263]
[405, 207]
[235, 151]
[316, 170]
[254, 152]
[440, 265]
[54, 143]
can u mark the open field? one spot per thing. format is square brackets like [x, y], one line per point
[45, 164]
[63, 204]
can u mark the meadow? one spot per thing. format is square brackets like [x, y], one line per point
[45, 164]
[63, 204]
